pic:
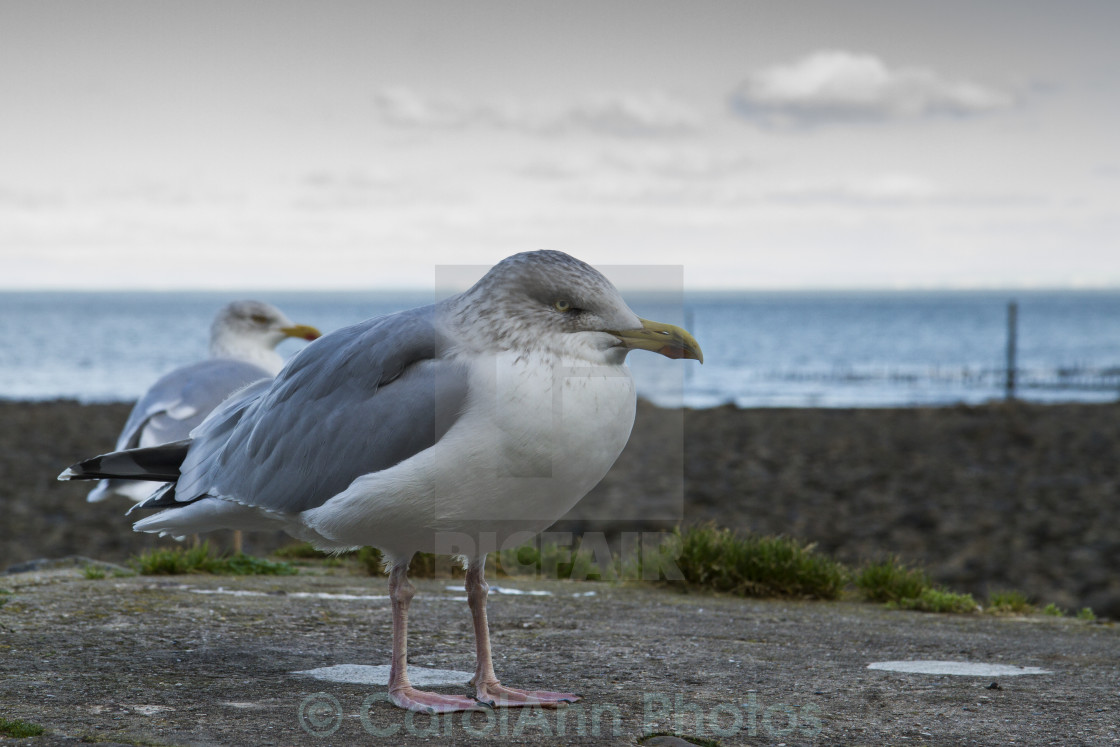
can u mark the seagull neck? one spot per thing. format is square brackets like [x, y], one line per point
[242, 350]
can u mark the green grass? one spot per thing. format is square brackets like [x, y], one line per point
[17, 729]
[549, 561]
[891, 581]
[1009, 602]
[720, 560]
[1086, 614]
[300, 551]
[93, 572]
[4, 594]
[553, 561]
[708, 558]
[175, 561]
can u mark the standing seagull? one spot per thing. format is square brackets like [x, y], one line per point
[451, 428]
[243, 340]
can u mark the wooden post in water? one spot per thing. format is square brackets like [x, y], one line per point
[1012, 342]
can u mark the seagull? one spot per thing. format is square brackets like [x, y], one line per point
[243, 338]
[455, 428]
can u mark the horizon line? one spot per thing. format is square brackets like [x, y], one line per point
[1021, 288]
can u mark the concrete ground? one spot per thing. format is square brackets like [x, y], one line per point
[212, 660]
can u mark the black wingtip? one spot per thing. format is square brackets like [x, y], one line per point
[164, 497]
[155, 463]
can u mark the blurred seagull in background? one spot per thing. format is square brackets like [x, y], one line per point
[453, 428]
[243, 340]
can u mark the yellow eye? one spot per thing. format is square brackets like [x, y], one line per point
[259, 318]
[562, 305]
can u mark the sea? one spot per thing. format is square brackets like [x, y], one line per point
[762, 349]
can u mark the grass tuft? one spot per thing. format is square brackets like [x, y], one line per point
[17, 729]
[891, 581]
[93, 572]
[549, 561]
[1086, 613]
[718, 559]
[300, 551]
[1009, 602]
[552, 561]
[372, 560]
[177, 561]
[705, 558]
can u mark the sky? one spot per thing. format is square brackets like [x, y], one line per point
[355, 145]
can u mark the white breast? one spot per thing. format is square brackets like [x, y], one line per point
[536, 435]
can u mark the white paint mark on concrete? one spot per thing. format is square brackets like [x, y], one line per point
[147, 710]
[511, 592]
[362, 674]
[965, 668]
[291, 595]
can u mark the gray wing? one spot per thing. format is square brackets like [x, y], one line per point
[356, 401]
[182, 399]
[172, 408]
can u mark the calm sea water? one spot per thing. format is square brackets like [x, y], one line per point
[762, 349]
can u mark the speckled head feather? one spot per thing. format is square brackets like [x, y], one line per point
[251, 330]
[248, 318]
[527, 301]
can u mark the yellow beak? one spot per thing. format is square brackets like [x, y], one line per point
[668, 340]
[302, 331]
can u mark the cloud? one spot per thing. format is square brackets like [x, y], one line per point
[12, 198]
[760, 194]
[837, 86]
[670, 163]
[358, 189]
[873, 189]
[620, 114]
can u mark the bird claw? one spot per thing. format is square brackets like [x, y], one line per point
[512, 697]
[431, 703]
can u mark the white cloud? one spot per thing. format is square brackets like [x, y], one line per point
[326, 189]
[672, 163]
[12, 198]
[839, 86]
[625, 114]
[873, 189]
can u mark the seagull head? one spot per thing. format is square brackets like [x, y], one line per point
[552, 302]
[245, 326]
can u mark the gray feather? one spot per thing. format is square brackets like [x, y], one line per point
[155, 463]
[357, 401]
[182, 399]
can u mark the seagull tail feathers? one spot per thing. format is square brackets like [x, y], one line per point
[156, 463]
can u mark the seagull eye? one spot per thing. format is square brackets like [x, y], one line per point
[562, 305]
[259, 318]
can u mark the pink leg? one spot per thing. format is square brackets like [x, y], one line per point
[488, 689]
[401, 692]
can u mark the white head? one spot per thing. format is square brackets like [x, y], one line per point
[548, 301]
[251, 330]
